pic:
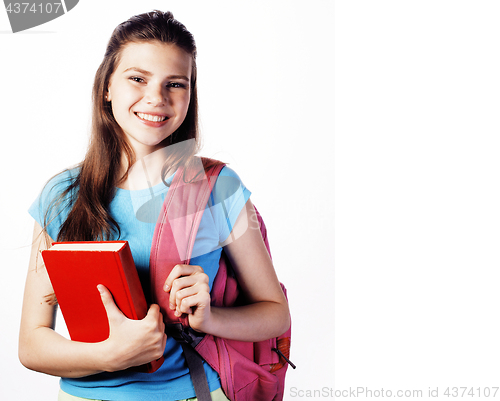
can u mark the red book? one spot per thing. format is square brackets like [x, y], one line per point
[76, 268]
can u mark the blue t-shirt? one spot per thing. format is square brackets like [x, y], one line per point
[135, 213]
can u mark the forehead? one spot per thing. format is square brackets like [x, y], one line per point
[155, 57]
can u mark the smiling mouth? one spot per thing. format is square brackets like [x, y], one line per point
[151, 117]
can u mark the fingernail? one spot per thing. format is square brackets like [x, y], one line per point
[172, 306]
[177, 313]
[99, 288]
[166, 288]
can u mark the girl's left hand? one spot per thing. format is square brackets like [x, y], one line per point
[190, 294]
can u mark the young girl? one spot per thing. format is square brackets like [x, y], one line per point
[144, 119]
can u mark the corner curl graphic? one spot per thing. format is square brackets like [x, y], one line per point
[28, 14]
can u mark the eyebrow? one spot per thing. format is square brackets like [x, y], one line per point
[144, 72]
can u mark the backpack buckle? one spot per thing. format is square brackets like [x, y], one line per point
[183, 334]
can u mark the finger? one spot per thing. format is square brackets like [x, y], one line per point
[192, 301]
[183, 303]
[180, 284]
[190, 297]
[153, 312]
[180, 271]
[161, 323]
[112, 310]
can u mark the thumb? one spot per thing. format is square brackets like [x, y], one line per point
[109, 304]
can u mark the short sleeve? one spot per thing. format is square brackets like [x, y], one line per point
[228, 198]
[50, 209]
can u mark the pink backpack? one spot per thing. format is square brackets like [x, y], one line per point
[248, 371]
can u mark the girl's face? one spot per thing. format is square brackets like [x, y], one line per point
[149, 93]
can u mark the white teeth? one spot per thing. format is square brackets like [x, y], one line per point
[152, 118]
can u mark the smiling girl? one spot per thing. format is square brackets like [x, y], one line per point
[144, 107]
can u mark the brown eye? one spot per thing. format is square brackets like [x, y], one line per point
[137, 79]
[176, 85]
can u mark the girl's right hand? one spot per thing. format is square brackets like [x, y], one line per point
[132, 342]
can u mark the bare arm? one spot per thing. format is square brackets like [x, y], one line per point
[44, 350]
[267, 314]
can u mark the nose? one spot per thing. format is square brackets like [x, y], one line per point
[156, 95]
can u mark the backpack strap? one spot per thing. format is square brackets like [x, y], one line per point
[176, 228]
[173, 242]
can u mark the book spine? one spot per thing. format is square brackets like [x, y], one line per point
[133, 284]
[132, 313]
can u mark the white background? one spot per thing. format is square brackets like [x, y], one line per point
[417, 264]
[266, 103]
[416, 172]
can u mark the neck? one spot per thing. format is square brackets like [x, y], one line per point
[145, 172]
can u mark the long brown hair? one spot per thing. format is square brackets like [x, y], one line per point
[93, 188]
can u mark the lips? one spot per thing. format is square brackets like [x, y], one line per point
[155, 118]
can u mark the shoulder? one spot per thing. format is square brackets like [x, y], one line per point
[57, 187]
[228, 199]
[228, 182]
[228, 185]
[60, 182]
[54, 201]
